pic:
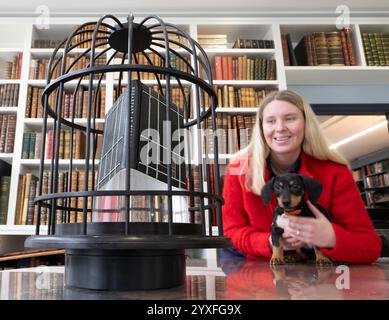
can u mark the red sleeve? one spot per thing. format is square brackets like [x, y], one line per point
[236, 224]
[356, 239]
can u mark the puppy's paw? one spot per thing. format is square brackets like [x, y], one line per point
[294, 258]
[321, 262]
[276, 261]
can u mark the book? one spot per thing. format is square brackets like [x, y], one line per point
[141, 117]
[253, 44]
[4, 195]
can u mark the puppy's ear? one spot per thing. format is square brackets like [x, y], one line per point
[313, 188]
[266, 191]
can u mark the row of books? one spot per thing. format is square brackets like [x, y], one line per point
[253, 44]
[376, 47]
[212, 41]
[39, 67]
[106, 208]
[193, 183]
[232, 97]
[7, 132]
[26, 211]
[233, 131]
[36, 285]
[45, 43]
[9, 95]
[11, 69]
[79, 102]
[4, 195]
[84, 37]
[377, 167]
[151, 58]
[154, 208]
[371, 169]
[142, 209]
[31, 148]
[381, 180]
[320, 49]
[175, 40]
[243, 68]
[219, 41]
[196, 287]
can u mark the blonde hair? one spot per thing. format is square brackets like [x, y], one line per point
[314, 143]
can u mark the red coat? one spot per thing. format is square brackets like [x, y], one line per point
[247, 221]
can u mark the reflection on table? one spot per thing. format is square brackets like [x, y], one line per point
[219, 277]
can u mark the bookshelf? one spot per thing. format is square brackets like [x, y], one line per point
[373, 182]
[20, 37]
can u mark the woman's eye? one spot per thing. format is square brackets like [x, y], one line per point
[290, 119]
[270, 121]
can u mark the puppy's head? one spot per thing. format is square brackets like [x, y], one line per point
[289, 189]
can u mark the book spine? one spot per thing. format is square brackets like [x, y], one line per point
[350, 47]
[135, 97]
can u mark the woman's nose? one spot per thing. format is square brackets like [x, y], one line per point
[280, 125]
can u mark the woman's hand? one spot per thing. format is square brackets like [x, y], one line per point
[316, 232]
[291, 242]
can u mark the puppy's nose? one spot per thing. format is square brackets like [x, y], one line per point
[286, 203]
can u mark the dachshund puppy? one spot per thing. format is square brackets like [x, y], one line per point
[289, 190]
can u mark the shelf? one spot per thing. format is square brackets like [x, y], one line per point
[263, 53]
[249, 111]
[377, 188]
[154, 82]
[221, 156]
[21, 229]
[358, 75]
[70, 84]
[10, 50]
[246, 83]
[378, 173]
[7, 157]
[47, 52]
[9, 81]
[384, 201]
[235, 83]
[8, 109]
[37, 123]
[63, 163]
[161, 50]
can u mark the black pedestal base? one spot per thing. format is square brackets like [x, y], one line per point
[107, 259]
[123, 270]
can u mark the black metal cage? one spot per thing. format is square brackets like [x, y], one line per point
[127, 226]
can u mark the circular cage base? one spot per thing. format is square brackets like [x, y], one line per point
[126, 270]
[106, 259]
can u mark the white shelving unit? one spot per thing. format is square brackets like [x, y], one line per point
[353, 75]
[17, 34]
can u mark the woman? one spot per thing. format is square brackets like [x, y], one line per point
[287, 138]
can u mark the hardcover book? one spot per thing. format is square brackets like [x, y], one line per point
[139, 123]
